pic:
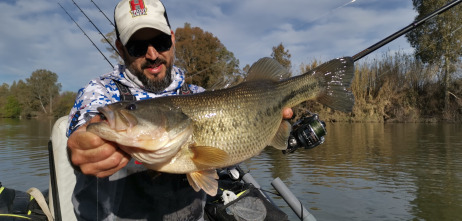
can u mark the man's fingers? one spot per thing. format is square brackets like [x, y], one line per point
[108, 166]
[86, 140]
[92, 155]
[287, 113]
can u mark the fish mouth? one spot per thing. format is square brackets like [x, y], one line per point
[107, 115]
[119, 120]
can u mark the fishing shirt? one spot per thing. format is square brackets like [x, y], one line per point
[134, 192]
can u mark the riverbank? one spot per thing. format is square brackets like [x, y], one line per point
[370, 113]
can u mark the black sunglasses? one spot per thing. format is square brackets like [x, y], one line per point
[161, 43]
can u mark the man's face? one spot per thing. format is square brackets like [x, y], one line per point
[152, 68]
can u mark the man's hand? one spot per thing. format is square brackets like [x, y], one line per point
[94, 155]
[287, 113]
[102, 158]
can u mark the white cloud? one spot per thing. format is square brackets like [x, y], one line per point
[41, 36]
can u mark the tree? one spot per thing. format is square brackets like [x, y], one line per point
[12, 108]
[307, 67]
[44, 87]
[246, 69]
[204, 58]
[64, 103]
[111, 37]
[282, 55]
[437, 41]
[24, 96]
[4, 92]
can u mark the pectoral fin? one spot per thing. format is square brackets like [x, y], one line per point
[209, 156]
[282, 136]
[206, 180]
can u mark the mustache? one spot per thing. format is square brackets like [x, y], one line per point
[156, 62]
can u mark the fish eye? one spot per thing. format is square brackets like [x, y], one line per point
[131, 107]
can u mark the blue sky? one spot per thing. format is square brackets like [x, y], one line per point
[37, 34]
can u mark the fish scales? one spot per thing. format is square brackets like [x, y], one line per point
[195, 134]
[242, 105]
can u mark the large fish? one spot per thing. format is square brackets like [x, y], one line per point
[196, 134]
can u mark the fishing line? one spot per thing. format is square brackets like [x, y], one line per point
[332, 10]
[97, 198]
[103, 13]
[86, 35]
[278, 194]
[227, 84]
[404, 30]
[96, 27]
[456, 30]
[267, 191]
[97, 179]
[350, 2]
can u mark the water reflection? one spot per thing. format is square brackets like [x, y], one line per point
[361, 172]
[374, 171]
[23, 153]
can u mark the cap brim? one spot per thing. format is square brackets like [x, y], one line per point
[135, 26]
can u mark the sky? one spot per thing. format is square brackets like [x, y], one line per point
[38, 34]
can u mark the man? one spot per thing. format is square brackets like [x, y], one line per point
[110, 185]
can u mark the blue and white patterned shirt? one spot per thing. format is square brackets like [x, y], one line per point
[133, 192]
[103, 90]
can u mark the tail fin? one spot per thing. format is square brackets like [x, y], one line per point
[336, 76]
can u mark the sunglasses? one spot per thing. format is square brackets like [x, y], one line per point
[161, 43]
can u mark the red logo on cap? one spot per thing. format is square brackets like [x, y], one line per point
[137, 7]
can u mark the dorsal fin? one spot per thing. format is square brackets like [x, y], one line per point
[267, 69]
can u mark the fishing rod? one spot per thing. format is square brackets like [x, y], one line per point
[96, 28]
[103, 13]
[301, 126]
[86, 35]
[403, 31]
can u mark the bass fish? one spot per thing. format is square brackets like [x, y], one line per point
[196, 134]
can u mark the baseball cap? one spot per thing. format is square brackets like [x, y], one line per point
[133, 15]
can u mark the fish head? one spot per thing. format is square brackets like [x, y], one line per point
[118, 116]
[148, 131]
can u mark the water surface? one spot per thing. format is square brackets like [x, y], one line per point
[374, 172]
[361, 172]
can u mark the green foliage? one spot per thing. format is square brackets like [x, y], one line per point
[307, 67]
[34, 97]
[437, 37]
[395, 88]
[204, 58]
[24, 94]
[44, 86]
[11, 108]
[64, 103]
[438, 41]
[398, 88]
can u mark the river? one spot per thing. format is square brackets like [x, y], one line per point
[362, 172]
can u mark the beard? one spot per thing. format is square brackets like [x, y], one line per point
[155, 86]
